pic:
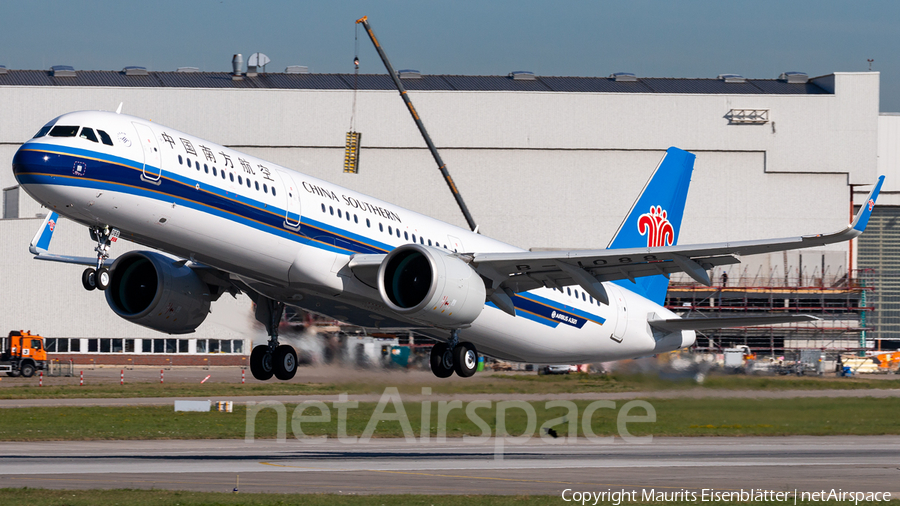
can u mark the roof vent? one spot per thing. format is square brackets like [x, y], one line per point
[190, 70]
[296, 69]
[135, 71]
[62, 71]
[623, 77]
[732, 78]
[409, 74]
[3, 69]
[522, 75]
[794, 77]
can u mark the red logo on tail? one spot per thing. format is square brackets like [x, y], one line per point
[655, 225]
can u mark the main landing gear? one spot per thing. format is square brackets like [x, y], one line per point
[454, 356]
[272, 359]
[99, 278]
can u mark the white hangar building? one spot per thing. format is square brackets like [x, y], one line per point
[542, 162]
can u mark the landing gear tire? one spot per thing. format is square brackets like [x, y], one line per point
[441, 360]
[89, 279]
[27, 370]
[465, 360]
[101, 278]
[285, 362]
[262, 367]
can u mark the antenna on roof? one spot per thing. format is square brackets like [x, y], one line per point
[119, 109]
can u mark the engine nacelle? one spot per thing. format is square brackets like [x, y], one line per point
[149, 289]
[431, 286]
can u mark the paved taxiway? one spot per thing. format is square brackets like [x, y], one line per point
[859, 463]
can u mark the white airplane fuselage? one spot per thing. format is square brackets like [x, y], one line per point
[291, 237]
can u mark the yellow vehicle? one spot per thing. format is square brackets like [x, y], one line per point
[22, 353]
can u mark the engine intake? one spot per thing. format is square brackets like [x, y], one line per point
[431, 286]
[149, 289]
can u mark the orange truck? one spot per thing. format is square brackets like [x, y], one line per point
[22, 353]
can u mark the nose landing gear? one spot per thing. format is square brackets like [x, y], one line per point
[99, 277]
[454, 356]
[272, 359]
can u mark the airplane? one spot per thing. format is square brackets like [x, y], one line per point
[228, 222]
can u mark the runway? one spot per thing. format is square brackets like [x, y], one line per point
[393, 466]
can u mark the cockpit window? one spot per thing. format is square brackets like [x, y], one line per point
[88, 133]
[63, 131]
[43, 131]
[105, 137]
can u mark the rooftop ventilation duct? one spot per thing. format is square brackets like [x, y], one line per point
[237, 64]
[409, 74]
[623, 77]
[135, 71]
[522, 75]
[296, 69]
[732, 78]
[187, 70]
[62, 71]
[794, 77]
[3, 70]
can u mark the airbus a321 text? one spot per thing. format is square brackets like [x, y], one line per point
[230, 222]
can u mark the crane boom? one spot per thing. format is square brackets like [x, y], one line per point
[412, 111]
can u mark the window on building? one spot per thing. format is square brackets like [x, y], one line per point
[75, 345]
[93, 345]
[129, 346]
[159, 346]
[117, 346]
[225, 346]
[50, 345]
[105, 345]
[214, 346]
[146, 345]
[62, 345]
[237, 346]
[171, 345]
[201, 345]
[182, 346]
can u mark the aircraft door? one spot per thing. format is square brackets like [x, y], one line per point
[455, 244]
[152, 157]
[292, 209]
[618, 297]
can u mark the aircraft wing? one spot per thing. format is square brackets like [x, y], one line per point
[678, 324]
[523, 271]
[41, 243]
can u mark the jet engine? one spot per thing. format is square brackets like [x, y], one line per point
[158, 292]
[431, 286]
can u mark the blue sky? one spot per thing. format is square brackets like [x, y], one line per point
[758, 39]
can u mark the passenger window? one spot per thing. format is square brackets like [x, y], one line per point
[63, 131]
[390, 230]
[43, 131]
[273, 191]
[231, 177]
[406, 235]
[421, 240]
[355, 219]
[214, 170]
[105, 137]
[223, 173]
[205, 168]
[380, 227]
[429, 242]
[414, 237]
[265, 188]
[331, 210]
[570, 291]
[348, 216]
[188, 160]
[180, 160]
[256, 183]
[398, 232]
[241, 181]
[368, 223]
[339, 214]
[248, 183]
[323, 208]
[88, 133]
[583, 297]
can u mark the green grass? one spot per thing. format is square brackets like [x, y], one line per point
[497, 384]
[31, 496]
[674, 417]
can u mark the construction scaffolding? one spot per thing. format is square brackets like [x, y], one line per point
[841, 303]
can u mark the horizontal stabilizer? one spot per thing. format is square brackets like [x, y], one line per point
[677, 324]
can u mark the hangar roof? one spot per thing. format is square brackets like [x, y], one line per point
[108, 78]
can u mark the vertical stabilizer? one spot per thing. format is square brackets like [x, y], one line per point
[655, 218]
